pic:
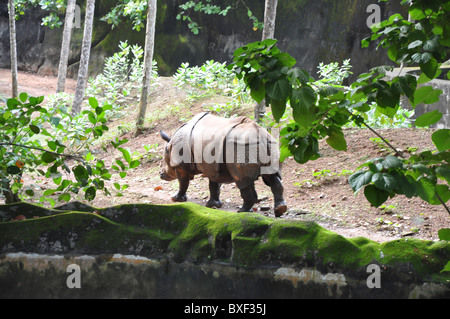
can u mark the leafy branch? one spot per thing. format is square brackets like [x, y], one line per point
[41, 152]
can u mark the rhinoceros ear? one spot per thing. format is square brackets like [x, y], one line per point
[164, 136]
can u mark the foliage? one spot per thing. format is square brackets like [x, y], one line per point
[206, 7]
[122, 74]
[212, 78]
[48, 143]
[321, 111]
[54, 7]
[132, 10]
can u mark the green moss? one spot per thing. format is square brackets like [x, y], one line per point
[189, 232]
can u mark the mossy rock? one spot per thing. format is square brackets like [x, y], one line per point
[188, 232]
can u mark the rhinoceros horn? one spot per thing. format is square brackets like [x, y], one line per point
[164, 136]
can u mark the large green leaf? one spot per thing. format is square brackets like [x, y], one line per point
[428, 118]
[279, 90]
[426, 190]
[444, 234]
[392, 162]
[441, 138]
[375, 196]
[384, 181]
[278, 108]
[426, 95]
[302, 102]
[337, 140]
[360, 179]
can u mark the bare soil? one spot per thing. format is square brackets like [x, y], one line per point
[327, 198]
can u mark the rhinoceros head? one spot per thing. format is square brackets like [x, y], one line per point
[166, 171]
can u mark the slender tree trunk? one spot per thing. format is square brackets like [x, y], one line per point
[270, 14]
[65, 46]
[13, 46]
[148, 58]
[84, 61]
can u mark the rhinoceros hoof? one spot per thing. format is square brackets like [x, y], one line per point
[280, 210]
[179, 198]
[214, 203]
[244, 209]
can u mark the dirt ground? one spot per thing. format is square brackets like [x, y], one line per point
[317, 190]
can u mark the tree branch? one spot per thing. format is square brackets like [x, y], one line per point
[68, 156]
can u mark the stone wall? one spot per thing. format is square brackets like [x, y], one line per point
[189, 251]
[442, 105]
[311, 31]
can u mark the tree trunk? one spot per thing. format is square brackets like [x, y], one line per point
[84, 61]
[270, 14]
[13, 46]
[148, 58]
[65, 46]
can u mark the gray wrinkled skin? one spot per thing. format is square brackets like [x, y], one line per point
[225, 151]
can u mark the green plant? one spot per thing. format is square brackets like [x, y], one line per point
[122, 75]
[333, 73]
[39, 141]
[321, 111]
[206, 7]
[209, 79]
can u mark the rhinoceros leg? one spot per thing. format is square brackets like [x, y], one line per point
[214, 190]
[183, 181]
[276, 186]
[249, 196]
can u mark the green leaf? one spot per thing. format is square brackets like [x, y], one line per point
[443, 172]
[126, 154]
[441, 138]
[298, 74]
[384, 181]
[134, 164]
[278, 108]
[392, 162]
[375, 196]
[29, 192]
[93, 102]
[337, 140]
[388, 97]
[13, 170]
[430, 68]
[415, 44]
[447, 267]
[48, 157]
[286, 59]
[444, 234]
[34, 129]
[444, 194]
[360, 179]
[426, 95]
[90, 193]
[49, 192]
[92, 118]
[301, 102]
[55, 120]
[428, 118]
[426, 190]
[64, 197]
[258, 94]
[279, 90]
[23, 97]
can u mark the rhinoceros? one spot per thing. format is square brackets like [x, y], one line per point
[225, 150]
